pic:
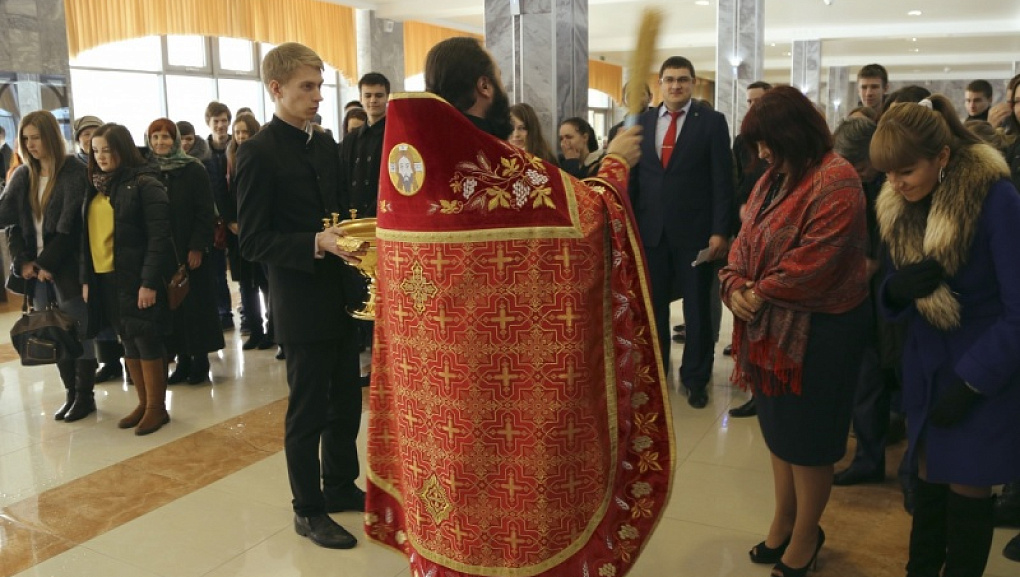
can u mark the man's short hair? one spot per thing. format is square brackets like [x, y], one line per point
[353, 104]
[760, 84]
[374, 79]
[215, 109]
[874, 71]
[982, 86]
[453, 67]
[677, 62]
[185, 128]
[282, 62]
[912, 93]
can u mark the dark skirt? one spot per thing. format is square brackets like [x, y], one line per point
[196, 323]
[811, 429]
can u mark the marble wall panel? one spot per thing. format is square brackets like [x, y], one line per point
[541, 47]
[806, 71]
[380, 48]
[740, 60]
[841, 93]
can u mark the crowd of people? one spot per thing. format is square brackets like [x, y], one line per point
[869, 272]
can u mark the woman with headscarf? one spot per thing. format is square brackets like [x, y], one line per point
[196, 327]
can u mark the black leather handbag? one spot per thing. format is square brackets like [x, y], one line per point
[43, 337]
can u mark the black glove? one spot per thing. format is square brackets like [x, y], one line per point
[914, 281]
[953, 405]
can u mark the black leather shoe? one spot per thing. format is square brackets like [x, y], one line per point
[324, 532]
[1012, 550]
[349, 498]
[280, 355]
[680, 335]
[728, 350]
[253, 342]
[697, 398]
[857, 476]
[679, 328]
[748, 409]
[266, 343]
[109, 372]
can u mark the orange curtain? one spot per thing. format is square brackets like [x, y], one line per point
[419, 38]
[606, 77]
[324, 27]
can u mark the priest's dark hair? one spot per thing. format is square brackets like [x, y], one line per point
[453, 67]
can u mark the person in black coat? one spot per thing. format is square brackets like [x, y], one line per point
[288, 182]
[196, 327]
[42, 204]
[126, 262]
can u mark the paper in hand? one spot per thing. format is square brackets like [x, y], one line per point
[702, 256]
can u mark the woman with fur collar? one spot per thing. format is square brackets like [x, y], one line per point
[948, 213]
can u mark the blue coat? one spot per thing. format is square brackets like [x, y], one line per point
[984, 448]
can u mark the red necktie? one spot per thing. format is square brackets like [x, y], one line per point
[669, 141]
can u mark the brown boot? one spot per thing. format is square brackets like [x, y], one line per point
[134, 368]
[155, 402]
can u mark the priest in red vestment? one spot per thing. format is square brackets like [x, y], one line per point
[519, 421]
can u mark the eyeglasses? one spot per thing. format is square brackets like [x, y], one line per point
[667, 80]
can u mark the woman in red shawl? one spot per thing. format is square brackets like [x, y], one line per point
[797, 286]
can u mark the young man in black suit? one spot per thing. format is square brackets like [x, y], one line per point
[682, 190]
[288, 182]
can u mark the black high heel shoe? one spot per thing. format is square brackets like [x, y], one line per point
[785, 570]
[762, 553]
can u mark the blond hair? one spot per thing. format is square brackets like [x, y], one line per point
[909, 132]
[282, 62]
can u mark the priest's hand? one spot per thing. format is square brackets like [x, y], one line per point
[953, 405]
[627, 144]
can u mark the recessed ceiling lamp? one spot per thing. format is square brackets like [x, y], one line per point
[914, 13]
[702, 2]
[827, 2]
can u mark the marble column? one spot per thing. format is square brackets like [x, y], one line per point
[380, 48]
[806, 72]
[842, 96]
[541, 48]
[740, 57]
[1016, 67]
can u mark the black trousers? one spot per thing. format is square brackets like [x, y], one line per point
[672, 275]
[323, 417]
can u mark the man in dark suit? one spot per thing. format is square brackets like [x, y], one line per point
[682, 191]
[288, 182]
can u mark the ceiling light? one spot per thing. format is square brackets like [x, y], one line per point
[702, 2]
[787, 54]
[914, 50]
[773, 44]
[913, 39]
[914, 13]
[827, 2]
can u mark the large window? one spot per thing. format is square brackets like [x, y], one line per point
[136, 81]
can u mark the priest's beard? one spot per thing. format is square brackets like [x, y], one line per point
[498, 115]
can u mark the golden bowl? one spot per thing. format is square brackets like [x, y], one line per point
[359, 235]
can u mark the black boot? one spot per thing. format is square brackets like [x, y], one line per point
[1007, 506]
[1012, 549]
[928, 532]
[199, 370]
[84, 400]
[969, 535]
[66, 369]
[109, 356]
[182, 371]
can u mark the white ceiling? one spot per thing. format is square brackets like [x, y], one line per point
[951, 39]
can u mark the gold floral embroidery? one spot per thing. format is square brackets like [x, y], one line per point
[435, 500]
[607, 570]
[642, 508]
[649, 461]
[628, 532]
[641, 489]
[509, 185]
[646, 423]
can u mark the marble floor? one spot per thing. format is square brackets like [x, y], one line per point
[207, 496]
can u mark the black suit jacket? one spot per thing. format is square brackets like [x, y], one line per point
[286, 185]
[692, 198]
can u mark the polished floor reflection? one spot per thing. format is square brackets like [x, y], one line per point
[207, 495]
